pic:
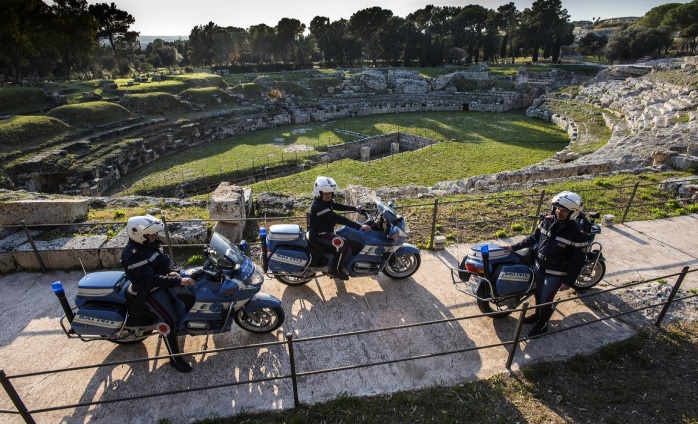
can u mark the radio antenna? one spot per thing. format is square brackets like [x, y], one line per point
[83, 266]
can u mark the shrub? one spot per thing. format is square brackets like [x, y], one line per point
[195, 260]
[501, 234]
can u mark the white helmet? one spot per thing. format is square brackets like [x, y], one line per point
[568, 200]
[139, 226]
[324, 185]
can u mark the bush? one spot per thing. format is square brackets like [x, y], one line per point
[195, 260]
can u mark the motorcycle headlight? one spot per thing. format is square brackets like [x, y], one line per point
[257, 278]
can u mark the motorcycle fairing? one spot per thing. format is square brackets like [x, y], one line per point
[513, 279]
[261, 301]
[288, 259]
[99, 319]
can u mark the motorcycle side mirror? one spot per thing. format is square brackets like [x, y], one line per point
[391, 203]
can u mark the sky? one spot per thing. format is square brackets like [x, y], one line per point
[178, 17]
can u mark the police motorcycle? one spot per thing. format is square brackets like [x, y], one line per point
[227, 289]
[288, 255]
[501, 280]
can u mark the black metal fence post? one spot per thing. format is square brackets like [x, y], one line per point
[14, 397]
[630, 201]
[517, 334]
[671, 296]
[433, 223]
[294, 379]
[167, 237]
[540, 206]
[31, 242]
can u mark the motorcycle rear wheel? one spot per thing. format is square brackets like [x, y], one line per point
[294, 280]
[262, 321]
[403, 266]
[585, 281]
[483, 291]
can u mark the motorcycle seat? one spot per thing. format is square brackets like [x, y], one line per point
[527, 256]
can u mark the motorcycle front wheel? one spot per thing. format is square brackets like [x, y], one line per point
[399, 267]
[590, 276]
[483, 291]
[262, 321]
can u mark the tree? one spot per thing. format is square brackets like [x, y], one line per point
[391, 39]
[546, 24]
[25, 37]
[592, 44]
[342, 47]
[637, 41]
[262, 40]
[508, 17]
[288, 31]
[655, 16]
[684, 18]
[201, 44]
[113, 25]
[75, 29]
[319, 27]
[365, 24]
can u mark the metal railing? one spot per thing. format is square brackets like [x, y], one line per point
[292, 345]
[436, 216]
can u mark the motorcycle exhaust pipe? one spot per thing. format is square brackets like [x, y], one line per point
[60, 294]
[263, 238]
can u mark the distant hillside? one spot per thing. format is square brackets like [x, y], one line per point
[147, 39]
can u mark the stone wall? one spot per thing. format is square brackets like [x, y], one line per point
[97, 251]
[379, 145]
[179, 137]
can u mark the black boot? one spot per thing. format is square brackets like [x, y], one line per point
[532, 319]
[336, 269]
[177, 363]
[541, 326]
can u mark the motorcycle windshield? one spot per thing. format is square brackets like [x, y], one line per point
[224, 252]
[385, 210]
[393, 218]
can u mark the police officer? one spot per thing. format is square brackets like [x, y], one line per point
[560, 257]
[322, 220]
[149, 269]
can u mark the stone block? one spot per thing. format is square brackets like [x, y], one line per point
[56, 211]
[365, 153]
[439, 242]
[63, 253]
[7, 263]
[228, 203]
[233, 231]
[608, 220]
[110, 252]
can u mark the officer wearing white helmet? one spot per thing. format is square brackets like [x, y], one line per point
[322, 220]
[560, 255]
[148, 268]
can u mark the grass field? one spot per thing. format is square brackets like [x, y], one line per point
[474, 143]
[649, 378]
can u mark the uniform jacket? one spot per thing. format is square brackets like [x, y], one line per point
[322, 217]
[561, 247]
[147, 266]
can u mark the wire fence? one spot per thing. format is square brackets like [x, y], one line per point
[299, 368]
[469, 220]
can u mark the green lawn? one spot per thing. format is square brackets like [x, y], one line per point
[475, 143]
